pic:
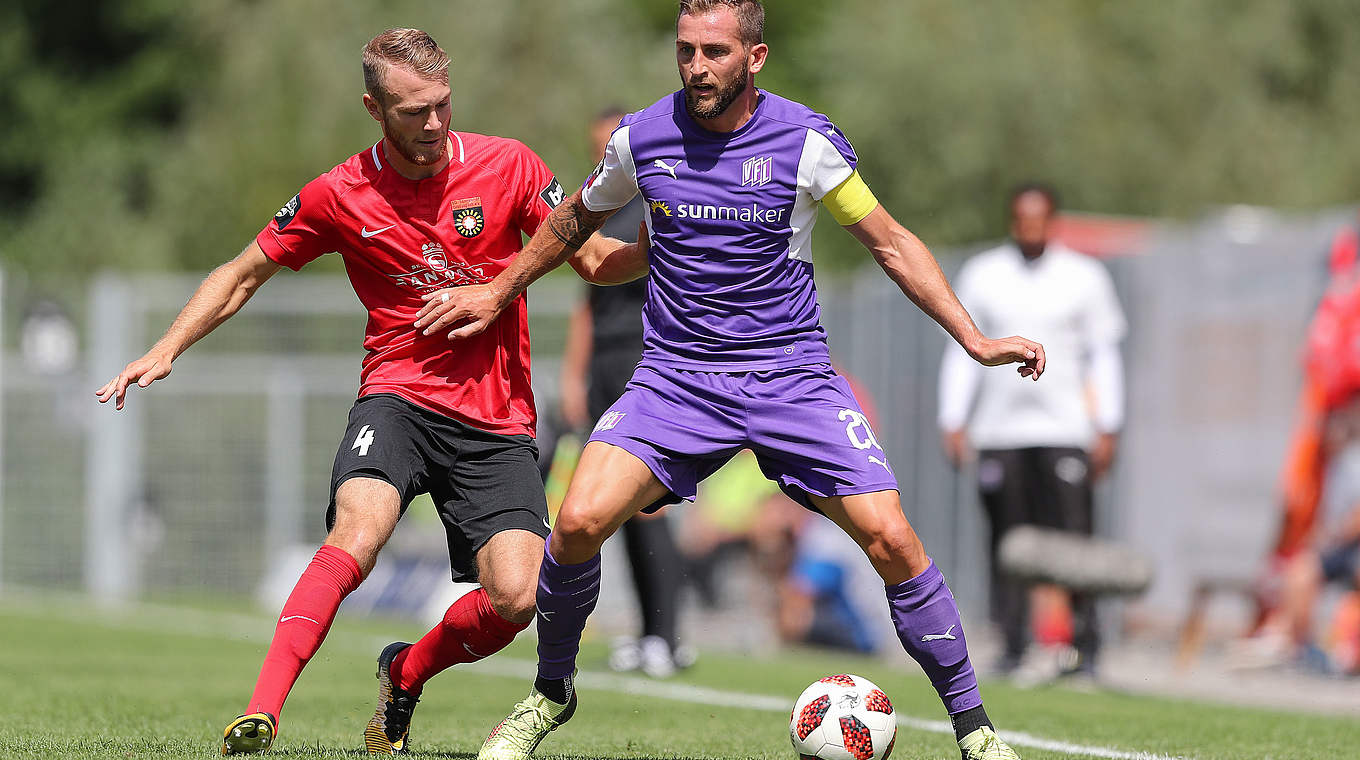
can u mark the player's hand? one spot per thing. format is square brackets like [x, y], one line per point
[573, 406]
[143, 372]
[1013, 350]
[1102, 454]
[471, 307]
[955, 444]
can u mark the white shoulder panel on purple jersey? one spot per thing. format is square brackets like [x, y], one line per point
[614, 181]
[822, 167]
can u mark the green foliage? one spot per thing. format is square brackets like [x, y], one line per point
[155, 134]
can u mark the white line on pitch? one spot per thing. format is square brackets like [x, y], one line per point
[158, 618]
[679, 692]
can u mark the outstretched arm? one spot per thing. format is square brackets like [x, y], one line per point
[474, 307]
[910, 264]
[221, 295]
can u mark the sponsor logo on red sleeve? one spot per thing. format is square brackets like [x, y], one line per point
[288, 211]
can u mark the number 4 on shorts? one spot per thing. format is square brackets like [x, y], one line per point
[363, 440]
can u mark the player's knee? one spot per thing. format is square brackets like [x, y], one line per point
[366, 512]
[579, 530]
[893, 548]
[515, 604]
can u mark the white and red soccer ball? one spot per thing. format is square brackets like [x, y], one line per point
[843, 717]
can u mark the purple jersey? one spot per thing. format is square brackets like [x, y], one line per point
[730, 218]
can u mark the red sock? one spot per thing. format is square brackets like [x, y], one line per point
[470, 630]
[303, 623]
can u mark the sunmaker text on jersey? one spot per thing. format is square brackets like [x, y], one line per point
[752, 213]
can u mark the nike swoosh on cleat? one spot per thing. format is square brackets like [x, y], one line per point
[363, 231]
[298, 617]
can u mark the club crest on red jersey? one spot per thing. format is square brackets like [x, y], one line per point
[436, 271]
[467, 217]
[433, 253]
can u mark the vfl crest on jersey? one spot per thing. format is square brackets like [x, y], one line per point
[610, 420]
[467, 217]
[288, 211]
[757, 171]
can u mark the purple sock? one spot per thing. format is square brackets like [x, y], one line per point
[566, 596]
[927, 622]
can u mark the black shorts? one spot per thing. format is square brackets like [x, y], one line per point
[1342, 564]
[481, 483]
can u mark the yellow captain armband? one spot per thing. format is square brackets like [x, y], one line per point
[850, 201]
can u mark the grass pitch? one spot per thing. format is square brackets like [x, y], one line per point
[162, 682]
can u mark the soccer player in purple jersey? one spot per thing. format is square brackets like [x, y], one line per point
[734, 354]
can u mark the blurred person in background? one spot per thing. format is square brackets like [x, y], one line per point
[604, 345]
[422, 209]
[1318, 536]
[1287, 634]
[1039, 447]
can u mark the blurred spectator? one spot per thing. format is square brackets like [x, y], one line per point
[828, 596]
[1313, 547]
[1040, 446]
[1287, 635]
[738, 512]
[604, 344]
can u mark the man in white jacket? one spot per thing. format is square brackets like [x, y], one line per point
[1039, 446]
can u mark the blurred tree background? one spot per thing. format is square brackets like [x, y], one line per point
[155, 134]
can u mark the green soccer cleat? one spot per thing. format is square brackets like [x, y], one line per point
[516, 737]
[249, 734]
[984, 744]
[388, 729]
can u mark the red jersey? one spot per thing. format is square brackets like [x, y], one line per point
[1332, 354]
[400, 238]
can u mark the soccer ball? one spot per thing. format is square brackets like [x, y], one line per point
[843, 717]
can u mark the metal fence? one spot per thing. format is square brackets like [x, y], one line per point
[203, 481]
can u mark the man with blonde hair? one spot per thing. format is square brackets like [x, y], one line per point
[424, 208]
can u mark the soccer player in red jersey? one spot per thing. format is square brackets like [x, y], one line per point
[423, 209]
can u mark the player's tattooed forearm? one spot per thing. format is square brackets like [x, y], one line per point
[573, 223]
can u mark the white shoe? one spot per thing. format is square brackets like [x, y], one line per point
[655, 655]
[1270, 649]
[625, 655]
[984, 744]
[1044, 665]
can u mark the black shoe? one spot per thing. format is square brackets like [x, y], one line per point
[388, 729]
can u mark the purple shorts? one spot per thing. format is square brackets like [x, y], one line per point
[803, 424]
